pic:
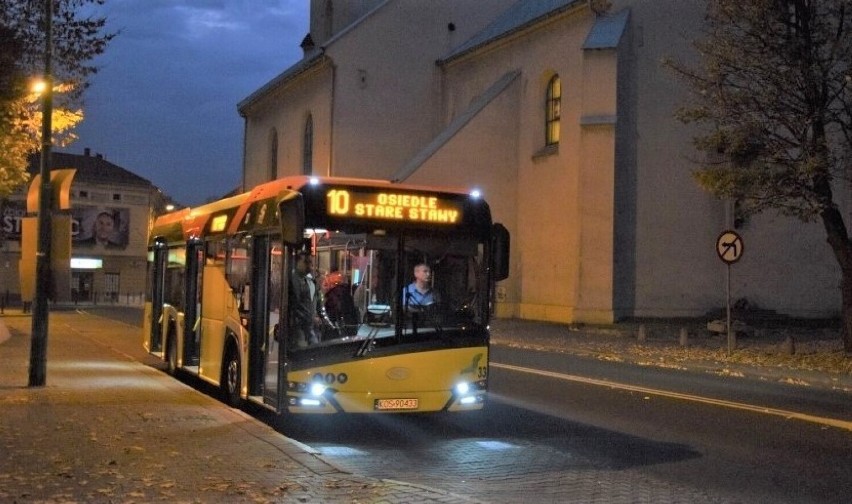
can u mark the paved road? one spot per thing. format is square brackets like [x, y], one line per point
[560, 436]
[555, 432]
[572, 442]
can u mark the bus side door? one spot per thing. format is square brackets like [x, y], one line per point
[158, 281]
[192, 314]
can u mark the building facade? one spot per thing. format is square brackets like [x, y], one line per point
[562, 113]
[111, 210]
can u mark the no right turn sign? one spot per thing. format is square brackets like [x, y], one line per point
[729, 247]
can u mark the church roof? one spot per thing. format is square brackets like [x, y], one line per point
[303, 65]
[521, 15]
[607, 31]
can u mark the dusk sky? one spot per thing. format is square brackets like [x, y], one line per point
[164, 104]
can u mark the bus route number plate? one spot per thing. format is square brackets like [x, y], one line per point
[396, 404]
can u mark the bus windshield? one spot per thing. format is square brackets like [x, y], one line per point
[399, 288]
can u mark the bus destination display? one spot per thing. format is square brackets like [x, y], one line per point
[393, 206]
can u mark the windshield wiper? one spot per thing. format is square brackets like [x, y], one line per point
[367, 344]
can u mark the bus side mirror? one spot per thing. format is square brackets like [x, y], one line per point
[291, 209]
[500, 251]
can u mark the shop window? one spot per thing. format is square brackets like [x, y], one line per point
[111, 284]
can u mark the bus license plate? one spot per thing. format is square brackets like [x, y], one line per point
[396, 404]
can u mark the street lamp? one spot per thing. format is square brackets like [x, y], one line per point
[38, 347]
[39, 87]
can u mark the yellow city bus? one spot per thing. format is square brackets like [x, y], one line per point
[222, 279]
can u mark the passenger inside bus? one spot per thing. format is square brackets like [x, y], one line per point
[339, 304]
[304, 302]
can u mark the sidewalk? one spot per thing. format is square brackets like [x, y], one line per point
[818, 360]
[107, 428]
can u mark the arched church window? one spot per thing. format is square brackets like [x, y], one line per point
[273, 154]
[308, 149]
[553, 107]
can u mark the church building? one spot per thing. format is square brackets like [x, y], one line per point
[562, 114]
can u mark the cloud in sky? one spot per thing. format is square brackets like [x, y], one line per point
[164, 103]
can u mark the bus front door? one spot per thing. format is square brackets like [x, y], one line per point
[267, 282]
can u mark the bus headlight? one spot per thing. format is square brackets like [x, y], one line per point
[462, 388]
[314, 394]
[317, 389]
[470, 393]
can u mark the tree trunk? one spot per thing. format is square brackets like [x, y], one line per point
[846, 317]
[838, 238]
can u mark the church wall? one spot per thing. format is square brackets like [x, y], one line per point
[676, 221]
[482, 155]
[386, 86]
[287, 111]
[554, 203]
[384, 100]
[597, 186]
[612, 223]
[328, 17]
[787, 266]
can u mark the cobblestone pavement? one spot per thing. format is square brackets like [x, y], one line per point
[516, 470]
[108, 429]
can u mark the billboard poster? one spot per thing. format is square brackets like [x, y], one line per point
[11, 216]
[100, 227]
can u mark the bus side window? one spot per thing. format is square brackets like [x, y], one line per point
[237, 265]
[215, 253]
[238, 270]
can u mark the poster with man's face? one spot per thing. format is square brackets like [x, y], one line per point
[105, 227]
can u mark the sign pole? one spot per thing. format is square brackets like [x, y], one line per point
[729, 247]
[731, 341]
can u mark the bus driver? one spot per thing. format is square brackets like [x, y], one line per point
[419, 293]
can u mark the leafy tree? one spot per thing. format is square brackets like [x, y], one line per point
[77, 40]
[773, 97]
[12, 86]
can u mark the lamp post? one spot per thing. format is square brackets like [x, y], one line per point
[38, 347]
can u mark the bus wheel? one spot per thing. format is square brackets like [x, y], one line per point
[171, 355]
[231, 379]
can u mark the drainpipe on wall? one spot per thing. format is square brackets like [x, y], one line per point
[330, 169]
[245, 132]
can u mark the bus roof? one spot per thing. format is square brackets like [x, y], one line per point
[187, 223]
